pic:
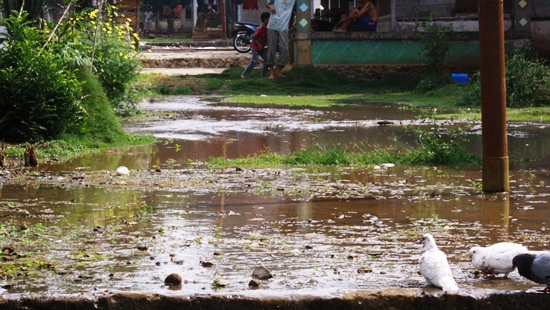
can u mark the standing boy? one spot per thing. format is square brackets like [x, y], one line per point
[258, 47]
[277, 34]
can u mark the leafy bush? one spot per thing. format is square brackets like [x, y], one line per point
[436, 42]
[527, 81]
[527, 78]
[112, 53]
[39, 94]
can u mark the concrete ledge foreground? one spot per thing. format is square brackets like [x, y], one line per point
[379, 299]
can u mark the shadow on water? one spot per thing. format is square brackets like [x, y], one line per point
[345, 229]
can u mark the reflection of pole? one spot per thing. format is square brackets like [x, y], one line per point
[493, 96]
[222, 211]
[496, 209]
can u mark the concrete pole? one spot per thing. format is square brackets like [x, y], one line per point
[493, 97]
[302, 37]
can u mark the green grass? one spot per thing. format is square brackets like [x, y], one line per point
[338, 155]
[308, 86]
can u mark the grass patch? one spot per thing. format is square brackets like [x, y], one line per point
[339, 155]
[313, 87]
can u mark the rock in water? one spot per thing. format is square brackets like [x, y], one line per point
[261, 273]
[497, 258]
[173, 279]
[122, 170]
[434, 266]
[534, 266]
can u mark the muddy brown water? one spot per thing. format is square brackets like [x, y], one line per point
[320, 231]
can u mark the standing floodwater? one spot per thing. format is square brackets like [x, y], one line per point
[77, 226]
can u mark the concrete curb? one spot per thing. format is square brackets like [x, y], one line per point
[372, 299]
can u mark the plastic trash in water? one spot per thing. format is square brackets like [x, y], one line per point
[460, 77]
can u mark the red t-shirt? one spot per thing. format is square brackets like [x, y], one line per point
[261, 36]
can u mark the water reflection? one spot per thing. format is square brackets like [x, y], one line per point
[198, 130]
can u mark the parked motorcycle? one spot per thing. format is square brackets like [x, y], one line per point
[242, 36]
[335, 15]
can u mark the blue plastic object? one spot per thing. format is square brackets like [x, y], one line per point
[460, 77]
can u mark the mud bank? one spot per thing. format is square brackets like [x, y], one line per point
[379, 299]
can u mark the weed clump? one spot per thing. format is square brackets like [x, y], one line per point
[527, 81]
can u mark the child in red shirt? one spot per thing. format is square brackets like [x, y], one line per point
[258, 47]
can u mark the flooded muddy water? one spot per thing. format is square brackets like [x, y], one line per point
[76, 227]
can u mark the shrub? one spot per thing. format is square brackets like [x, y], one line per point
[526, 78]
[436, 42]
[527, 81]
[113, 57]
[39, 94]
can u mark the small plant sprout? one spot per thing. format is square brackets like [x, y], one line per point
[531, 180]
[215, 283]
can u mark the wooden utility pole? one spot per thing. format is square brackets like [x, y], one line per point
[223, 10]
[495, 164]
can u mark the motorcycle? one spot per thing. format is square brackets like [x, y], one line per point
[242, 36]
[334, 14]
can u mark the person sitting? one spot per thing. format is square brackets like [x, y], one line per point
[365, 14]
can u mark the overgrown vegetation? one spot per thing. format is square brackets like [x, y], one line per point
[39, 91]
[65, 81]
[441, 141]
[107, 46]
[527, 81]
[436, 42]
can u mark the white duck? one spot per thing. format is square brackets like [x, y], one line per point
[497, 258]
[434, 266]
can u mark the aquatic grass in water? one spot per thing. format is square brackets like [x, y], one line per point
[439, 143]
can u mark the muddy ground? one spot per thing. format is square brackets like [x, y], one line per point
[79, 235]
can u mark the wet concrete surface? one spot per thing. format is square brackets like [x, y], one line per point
[192, 60]
[331, 237]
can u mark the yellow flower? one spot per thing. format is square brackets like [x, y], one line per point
[120, 54]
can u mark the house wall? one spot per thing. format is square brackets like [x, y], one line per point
[421, 8]
[363, 48]
[540, 9]
[540, 37]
